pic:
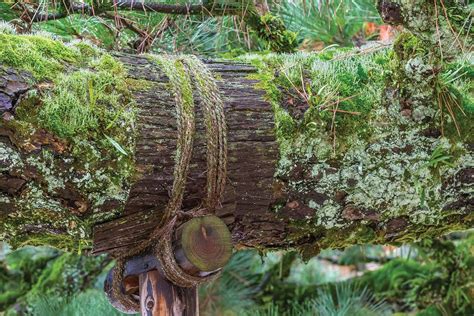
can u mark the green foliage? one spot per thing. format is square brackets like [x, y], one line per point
[330, 22]
[273, 31]
[393, 279]
[232, 292]
[454, 89]
[76, 26]
[6, 14]
[44, 281]
[88, 303]
[348, 300]
[30, 274]
[459, 78]
[439, 157]
[358, 254]
[441, 277]
[20, 270]
[342, 299]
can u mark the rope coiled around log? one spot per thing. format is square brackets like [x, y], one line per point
[180, 71]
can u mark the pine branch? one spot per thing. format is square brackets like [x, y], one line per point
[205, 8]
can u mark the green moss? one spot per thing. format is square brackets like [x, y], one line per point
[407, 46]
[42, 56]
[87, 102]
[323, 83]
[381, 161]
[64, 242]
[87, 50]
[273, 31]
[179, 80]
[139, 84]
[358, 234]
[89, 110]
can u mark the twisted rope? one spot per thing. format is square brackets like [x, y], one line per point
[179, 70]
[216, 130]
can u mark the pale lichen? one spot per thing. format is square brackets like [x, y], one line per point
[86, 115]
[372, 169]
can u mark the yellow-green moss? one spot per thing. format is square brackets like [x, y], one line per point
[89, 109]
[320, 82]
[42, 56]
[382, 162]
[138, 84]
[91, 101]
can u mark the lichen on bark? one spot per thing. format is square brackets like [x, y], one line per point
[366, 154]
[78, 115]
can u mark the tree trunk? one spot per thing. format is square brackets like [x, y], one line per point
[390, 174]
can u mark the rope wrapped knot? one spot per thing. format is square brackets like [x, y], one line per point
[184, 73]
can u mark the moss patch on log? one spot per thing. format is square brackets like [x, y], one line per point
[80, 116]
[356, 167]
[42, 56]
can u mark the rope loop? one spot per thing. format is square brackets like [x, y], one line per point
[184, 73]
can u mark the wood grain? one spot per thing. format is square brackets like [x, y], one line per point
[253, 154]
[158, 297]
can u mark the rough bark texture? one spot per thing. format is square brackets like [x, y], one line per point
[253, 154]
[389, 168]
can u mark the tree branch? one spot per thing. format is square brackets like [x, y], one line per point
[37, 16]
[178, 9]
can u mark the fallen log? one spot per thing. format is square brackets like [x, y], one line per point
[88, 142]
[321, 150]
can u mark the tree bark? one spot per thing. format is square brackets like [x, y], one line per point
[253, 154]
[389, 187]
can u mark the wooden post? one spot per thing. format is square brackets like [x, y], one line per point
[159, 297]
[201, 246]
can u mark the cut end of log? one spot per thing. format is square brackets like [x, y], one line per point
[206, 242]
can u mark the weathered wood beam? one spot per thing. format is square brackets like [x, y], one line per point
[388, 164]
[253, 152]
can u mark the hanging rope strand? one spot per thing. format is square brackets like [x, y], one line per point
[216, 130]
[182, 90]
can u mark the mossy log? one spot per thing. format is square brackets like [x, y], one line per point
[87, 151]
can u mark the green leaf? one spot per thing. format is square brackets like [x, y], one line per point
[116, 145]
